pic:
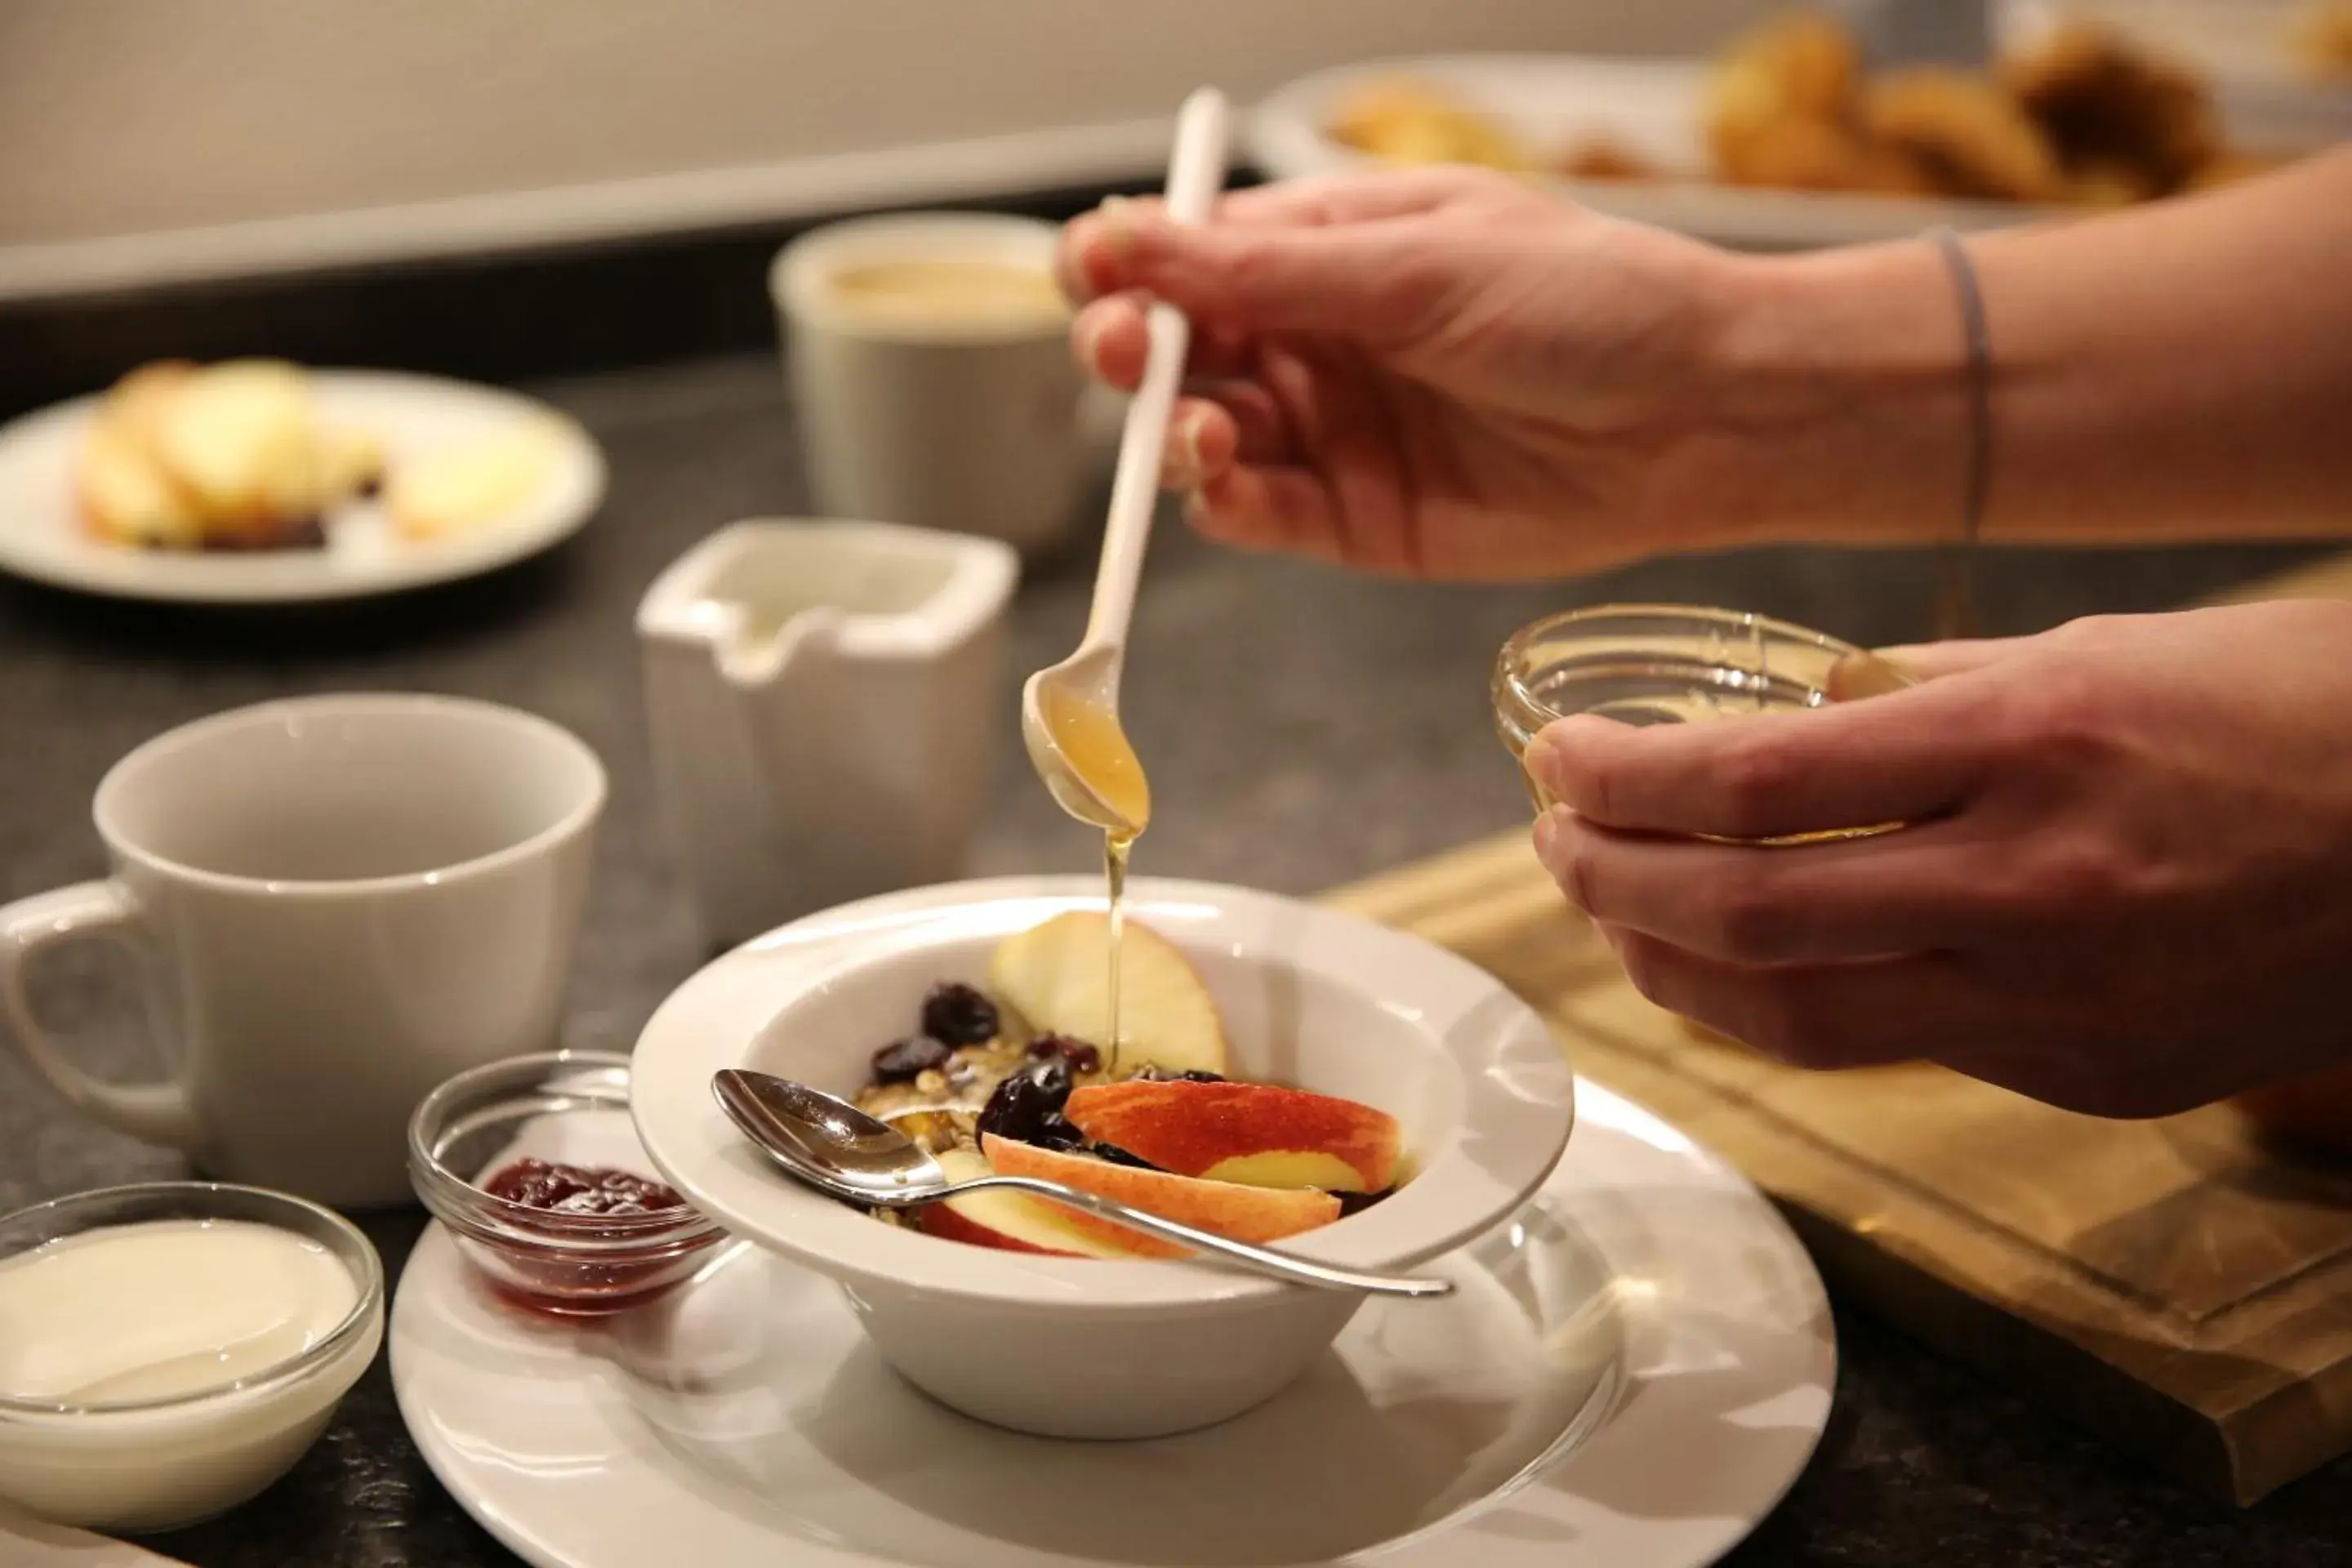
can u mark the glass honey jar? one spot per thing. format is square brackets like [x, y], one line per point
[1673, 664]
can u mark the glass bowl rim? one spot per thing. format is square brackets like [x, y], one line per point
[501, 1222]
[1511, 662]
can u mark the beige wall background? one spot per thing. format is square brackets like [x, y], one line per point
[135, 118]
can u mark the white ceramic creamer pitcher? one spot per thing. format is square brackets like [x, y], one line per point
[824, 703]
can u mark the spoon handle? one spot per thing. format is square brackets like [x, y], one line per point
[1257, 1259]
[1196, 172]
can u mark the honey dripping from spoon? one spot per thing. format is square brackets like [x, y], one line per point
[1096, 749]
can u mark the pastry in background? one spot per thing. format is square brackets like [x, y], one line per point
[1820, 155]
[125, 496]
[1800, 65]
[239, 438]
[353, 460]
[1968, 135]
[2115, 114]
[1406, 121]
[1780, 105]
[453, 489]
[223, 457]
[1599, 157]
[2080, 118]
[2323, 39]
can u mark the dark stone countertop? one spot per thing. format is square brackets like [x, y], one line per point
[1302, 728]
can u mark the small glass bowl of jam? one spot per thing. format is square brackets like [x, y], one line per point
[1674, 664]
[534, 1164]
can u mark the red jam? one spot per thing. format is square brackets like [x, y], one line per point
[550, 1278]
[580, 1190]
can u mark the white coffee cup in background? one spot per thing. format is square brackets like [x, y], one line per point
[929, 362]
[338, 901]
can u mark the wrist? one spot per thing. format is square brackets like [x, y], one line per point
[1840, 407]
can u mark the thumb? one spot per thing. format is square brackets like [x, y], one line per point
[1342, 279]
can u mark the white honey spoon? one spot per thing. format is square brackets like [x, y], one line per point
[1196, 172]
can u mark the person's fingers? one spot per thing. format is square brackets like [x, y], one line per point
[1357, 195]
[1262, 429]
[1827, 1015]
[1110, 342]
[1219, 423]
[1317, 202]
[1903, 757]
[1200, 443]
[1829, 903]
[1935, 660]
[1279, 508]
[1340, 278]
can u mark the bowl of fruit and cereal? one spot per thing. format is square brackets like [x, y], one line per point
[1283, 1074]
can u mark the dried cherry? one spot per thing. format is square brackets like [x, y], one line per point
[1078, 1053]
[960, 1015]
[901, 1061]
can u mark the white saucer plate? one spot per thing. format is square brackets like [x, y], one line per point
[1631, 1373]
[40, 537]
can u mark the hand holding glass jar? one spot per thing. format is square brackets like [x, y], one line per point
[2121, 885]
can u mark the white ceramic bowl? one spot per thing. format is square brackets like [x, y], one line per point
[1086, 1348]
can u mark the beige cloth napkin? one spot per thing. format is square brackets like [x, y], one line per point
[29, 1543]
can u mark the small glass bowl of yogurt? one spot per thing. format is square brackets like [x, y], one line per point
[168, 1349]
[534, 1165]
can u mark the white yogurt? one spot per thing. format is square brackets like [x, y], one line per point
[163, 1320]
[162, 1309]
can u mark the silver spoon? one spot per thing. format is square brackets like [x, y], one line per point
[842, 1152]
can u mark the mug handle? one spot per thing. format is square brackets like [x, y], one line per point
[155, 1112]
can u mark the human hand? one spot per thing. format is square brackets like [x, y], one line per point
[2128, 888]
[1439, 372]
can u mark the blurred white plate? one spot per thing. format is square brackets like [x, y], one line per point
[1656, 108]
[1653, 109]
[41, 536]
[1631, 1374]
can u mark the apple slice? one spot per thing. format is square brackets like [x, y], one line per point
[1255, 1134]
[1245, 1213]
[1008, 1222]
[1058, 976]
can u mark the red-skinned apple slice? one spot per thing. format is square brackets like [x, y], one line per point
[1009, 1222]
[1058, 976]
[1253, 1134]
[1244, 1213]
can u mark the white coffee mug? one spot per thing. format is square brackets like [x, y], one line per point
[980, 422]
[340, 902]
